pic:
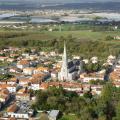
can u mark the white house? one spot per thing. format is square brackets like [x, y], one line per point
[3, 58]
[23, 64]
[96, 89]
[54, 75]
[53, 114]
[28, 71]
[94, 60]
[34, 86]
[10, 60]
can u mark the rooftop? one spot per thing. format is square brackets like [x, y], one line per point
[23, 62]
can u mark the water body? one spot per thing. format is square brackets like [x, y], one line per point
[74, 19]
[7, 15]
[14, 18]
[41, 20]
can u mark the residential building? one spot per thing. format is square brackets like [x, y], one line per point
[23, 64]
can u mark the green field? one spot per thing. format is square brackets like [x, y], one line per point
[85, 43]
[69, 117]
[46, 35]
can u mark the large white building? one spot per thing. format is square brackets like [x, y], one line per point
[68, 71]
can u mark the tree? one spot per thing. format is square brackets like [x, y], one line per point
[44, 116]
[105, 105]
[118, 111]
[88, 94]
[107, 92]
[86, 114]
[52, 102]
[109, 38]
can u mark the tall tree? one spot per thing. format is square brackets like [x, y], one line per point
[118, 111]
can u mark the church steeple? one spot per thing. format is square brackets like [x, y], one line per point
[64, 69]
[65, 53]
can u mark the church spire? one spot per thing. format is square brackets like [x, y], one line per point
[64, 69]
[65, 53]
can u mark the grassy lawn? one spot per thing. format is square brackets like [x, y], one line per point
[69, 117]
[3, 64]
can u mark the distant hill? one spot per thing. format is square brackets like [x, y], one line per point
[107, 6]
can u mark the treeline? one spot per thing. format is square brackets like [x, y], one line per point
[11, 34]
[75, 46]
[87, 107]
[85, 48]
[92, 27]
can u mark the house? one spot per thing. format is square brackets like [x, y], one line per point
[11, 81]
[41, 69]
[86, 61]
[43, 53]
[53, 53]
[25, 54]
[40, 76]
[12, 111]
[50, 115]
[15, 70]
[3, 58]
[50, 30]
[23, 64]
[13, 108]
[34, 86]
[24, 81]
[66, 85]
[20, 110]
[116, 84]
[23, 97]
[28, 71]
[44, 86]
[53, 114]
[4, 96]
[86, 78]
[14, 55]
[33, 57]
[117, 37]
[9, 87]
[21, 91]
[10, 60]
[76, 57]
[115, 75]
[54, 74]
[111, 59]
[86, 87]
[96, 89]
[94, 60]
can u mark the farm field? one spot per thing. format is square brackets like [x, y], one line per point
[85, 43]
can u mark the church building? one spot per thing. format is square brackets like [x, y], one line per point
[68, 70]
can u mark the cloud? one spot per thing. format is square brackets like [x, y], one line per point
[74, 1]
[59, 1]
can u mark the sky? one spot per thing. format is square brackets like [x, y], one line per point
[61, 1]
[74, 0]
[68, 1]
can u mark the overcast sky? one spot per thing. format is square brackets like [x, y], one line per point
[63, 1]
[68, 1]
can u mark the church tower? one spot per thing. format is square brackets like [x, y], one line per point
[64, 69]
